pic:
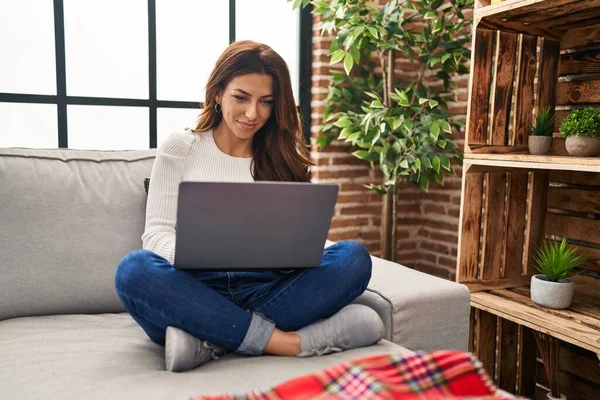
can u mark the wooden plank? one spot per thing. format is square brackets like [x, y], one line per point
[513, 9]
[485, 149]
[548, 74]
[486, 341]
[507, 374]
[478, 285]
[587, 305]
[502, 86]
[528, 161]
[564, 198]
[493, 226]
[470, 223]
[472, 327]
[576, 178]
[584, 62]
[572, 387]
[588, 287]
[537, 204]
[480, 82]
[568, 315]
[539, 319]
[519, 27]
[579, 362]
[515, 224]
[582, 17]
[525, 90]
[578, 92]
[581, 37]
[573, 227]
[526, 370]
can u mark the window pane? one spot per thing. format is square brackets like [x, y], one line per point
[274, 23]
[27, 47]
[107, 48]
[174, 120]
[190, 36]
[108, 128]
[28, 125]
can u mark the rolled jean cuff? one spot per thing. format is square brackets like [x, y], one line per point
[258, 335]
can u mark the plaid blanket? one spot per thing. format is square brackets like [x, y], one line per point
[433, 375]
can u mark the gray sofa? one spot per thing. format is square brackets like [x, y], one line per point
[67, 217]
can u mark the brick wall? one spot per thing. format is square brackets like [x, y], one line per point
[427, 222]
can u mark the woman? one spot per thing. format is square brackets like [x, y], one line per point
[249, 130]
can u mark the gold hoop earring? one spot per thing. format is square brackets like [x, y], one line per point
[218, 108]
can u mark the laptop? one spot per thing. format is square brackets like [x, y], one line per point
[228, 226]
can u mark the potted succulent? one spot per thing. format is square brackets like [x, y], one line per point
[540, 139]
[581, 128]
[555, 262]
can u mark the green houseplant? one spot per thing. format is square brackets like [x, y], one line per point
[540, 138]
[401, 126]
[555, 262]
[581, 128]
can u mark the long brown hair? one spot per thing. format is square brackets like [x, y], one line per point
[279, 150]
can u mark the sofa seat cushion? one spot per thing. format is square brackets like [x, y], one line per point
[108, 356]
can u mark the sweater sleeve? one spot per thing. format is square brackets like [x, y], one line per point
[161, 208]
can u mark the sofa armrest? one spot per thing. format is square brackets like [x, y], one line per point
[420, 311]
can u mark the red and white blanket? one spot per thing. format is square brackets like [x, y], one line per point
[433, 375]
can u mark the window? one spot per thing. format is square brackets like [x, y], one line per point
[118, 74]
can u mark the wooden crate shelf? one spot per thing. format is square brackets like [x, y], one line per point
[578, 325]
[528, 55]
[550, 19]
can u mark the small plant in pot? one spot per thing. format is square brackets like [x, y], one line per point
[540, 139]
[581, 128]
[556, 263]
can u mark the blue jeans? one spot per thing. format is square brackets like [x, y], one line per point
[238, 311]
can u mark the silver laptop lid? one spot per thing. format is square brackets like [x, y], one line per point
[252, 225]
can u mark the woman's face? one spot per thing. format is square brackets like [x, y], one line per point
[246, 104]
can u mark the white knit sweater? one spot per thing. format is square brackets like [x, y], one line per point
[184, 156]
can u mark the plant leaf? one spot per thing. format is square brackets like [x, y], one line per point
[348, 61]
[337, 56]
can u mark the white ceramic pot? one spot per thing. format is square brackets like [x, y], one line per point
[562, 397]
[539, 145]
[557, 295]
[583, 146]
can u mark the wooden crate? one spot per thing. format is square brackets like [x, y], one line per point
[529, 54]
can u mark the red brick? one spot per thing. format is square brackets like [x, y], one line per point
[408, 208]
[438, 225]
[447, 262]
[343, 173]
[444, 237]
[436, 197]
[435, 247]
[454, 213]
[429, 257]
[351, 160]
[370, 234]
[343, 235]
[352, 186]
[362, 209]
[403, 245]
[434, 209]
[359, 198]
[348, 222]
[374, 248]
[430, 269]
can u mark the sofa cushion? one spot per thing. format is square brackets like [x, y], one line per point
[68, 217]
[108, 356]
